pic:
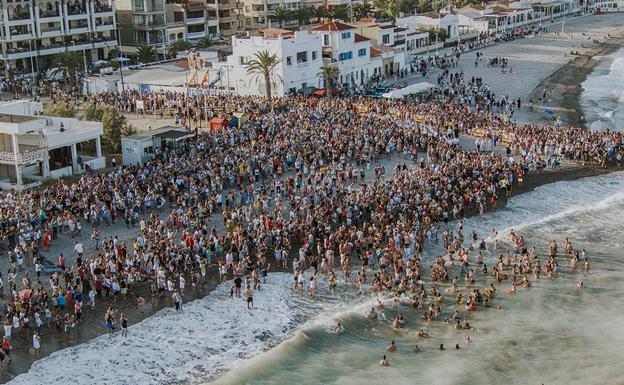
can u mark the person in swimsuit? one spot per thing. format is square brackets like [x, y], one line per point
[248, 293]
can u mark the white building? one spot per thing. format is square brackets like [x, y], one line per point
[300, 56]
[34, 31]
[35, 147]
[425, 21]
[350, 52]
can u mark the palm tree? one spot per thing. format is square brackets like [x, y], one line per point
[179, 45]
[280, 14]
[329, 73]
[340, 12]
[319, 12]
[362, 10]
[204, 42]
[67, 65]
[146, 54]
[302, 15]
[262, 68]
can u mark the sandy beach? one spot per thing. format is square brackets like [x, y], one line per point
[538, 63]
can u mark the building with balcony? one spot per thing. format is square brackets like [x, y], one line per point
[34, 147]
[300, 58]
[257, 13]
[31, 33]
[142, 22]
[350, 52]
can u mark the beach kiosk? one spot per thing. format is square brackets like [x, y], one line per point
[217, 123]
[141, 147]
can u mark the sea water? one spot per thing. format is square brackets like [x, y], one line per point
[553, 333]
[602, 99]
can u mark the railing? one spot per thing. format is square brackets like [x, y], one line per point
[44, 14]
[32, 156]
[19, 16]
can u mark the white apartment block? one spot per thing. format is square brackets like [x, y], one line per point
[32, 32]
[300, 56]
[161, 22]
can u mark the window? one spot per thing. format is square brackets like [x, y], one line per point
[362, 52]
[288, 60]
[345, 56]
[241, 60]
[385, 39]
[302, 57]
[346, 35]
[313, 55]
[326, 39]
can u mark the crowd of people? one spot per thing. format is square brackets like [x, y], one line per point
[303, 183]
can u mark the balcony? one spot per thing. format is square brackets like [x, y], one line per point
[49, 16]
[80, 45]
[196, 20]
[20, 36]
[103, 10]
[78, 30]
[104, 27]
[29, 156]
[20, 53]
[77, 14]
[107, 42]
[195, 35]
[51, 49]
[51, 32]
[149, 26]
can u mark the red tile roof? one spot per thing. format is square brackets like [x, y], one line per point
[333, 26]
[359, 38]
[374, 52]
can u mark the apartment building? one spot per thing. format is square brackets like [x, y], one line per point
[161, 22]
[32, 32]
[257, 13]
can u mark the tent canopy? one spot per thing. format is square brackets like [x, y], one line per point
[409, 90]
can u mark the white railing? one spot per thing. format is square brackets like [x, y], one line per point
[27, 157]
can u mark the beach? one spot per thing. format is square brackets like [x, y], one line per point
[230, 336]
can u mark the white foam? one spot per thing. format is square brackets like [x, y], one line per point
[209, 336]
[603, 93]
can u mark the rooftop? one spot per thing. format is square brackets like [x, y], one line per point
[359, 38]
[6, 118]
[162, 132]
[333, 26]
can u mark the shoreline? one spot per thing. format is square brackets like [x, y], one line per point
[566, 84]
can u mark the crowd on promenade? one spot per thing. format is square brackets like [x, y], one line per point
[298, 185]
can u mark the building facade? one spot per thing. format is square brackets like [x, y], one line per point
[33, 32]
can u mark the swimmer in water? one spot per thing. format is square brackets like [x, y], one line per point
[581, 285]
[392, 347]
[442, 347]
[373, 313]
[339, 329]
[422, 334]
[416, 349]
[384, 362]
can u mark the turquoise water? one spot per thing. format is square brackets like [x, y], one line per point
[552, 333]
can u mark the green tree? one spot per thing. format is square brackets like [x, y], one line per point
[66, 65]
[361, 11]
[437, 34]
[280, 14]
[302, 15]
[340, 12]
[329, 73]
[179, 45]
[319, 12]
[262, 68]
[146, 54]
[204, 42]
[62, 110]
[114, 124]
